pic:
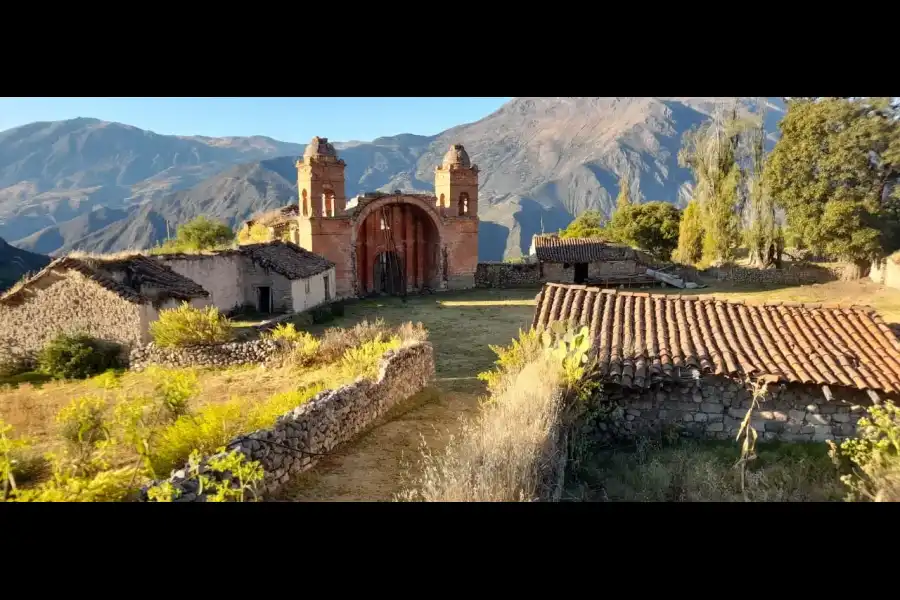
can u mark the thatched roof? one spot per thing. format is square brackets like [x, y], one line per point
[131, 277]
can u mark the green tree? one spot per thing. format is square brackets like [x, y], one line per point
[762, 235]
[710, 152]
[199, 234]
[652, 227]
[624, 198]
[829, 170]
[587, 224]
[690, 235]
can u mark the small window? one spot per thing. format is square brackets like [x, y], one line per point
[327, 287]
[307, 285]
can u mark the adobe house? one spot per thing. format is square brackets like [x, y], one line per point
[683, 362]
[385, 243]
[589, 260]
[109, 298]
[273, 277]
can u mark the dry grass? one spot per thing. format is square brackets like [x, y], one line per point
[689, 471]
[505, 453]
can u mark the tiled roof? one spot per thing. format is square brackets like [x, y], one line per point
[550, 248]
[642, 338]
[123, 276]
[286, 258]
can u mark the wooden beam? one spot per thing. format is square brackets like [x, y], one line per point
[875, 399]
[827, 392]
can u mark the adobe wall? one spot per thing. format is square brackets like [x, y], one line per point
[301, 437]
[714, 407]
[71, 304]
[303, 300]
[606, 268]
[330, 237]
[253, 276]
[218, 275]
[886, 272]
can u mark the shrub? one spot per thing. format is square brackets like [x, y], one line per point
[363, 360]
[265, 414]
[189, 326]
[337, 309]
[77, 356]
[513, 358]
[209, 428]
[82, 421]
[337, 340]
[235, 476]
[174, 387]
[305, 349]
[322, 314]
[873, 457]
[9, 447]
[410, 333]
[507, 452]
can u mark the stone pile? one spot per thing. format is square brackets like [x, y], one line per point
[302, 436]
[259, 351]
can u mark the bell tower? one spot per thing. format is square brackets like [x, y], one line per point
[320, 181]
[456, 184]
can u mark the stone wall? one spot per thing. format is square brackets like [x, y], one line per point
[70, 303]
[713, 407]
[791, 275]
[232, 354]
[302, 436]
[503, 275]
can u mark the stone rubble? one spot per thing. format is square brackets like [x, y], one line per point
[258, 351]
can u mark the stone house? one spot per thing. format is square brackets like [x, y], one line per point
[688, 361]
[589, 260]
[272, 277]
[109, 298]
[384, 243]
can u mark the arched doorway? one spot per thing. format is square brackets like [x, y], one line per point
[388, 273]
[397, 248]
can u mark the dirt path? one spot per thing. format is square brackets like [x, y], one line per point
[461, 326]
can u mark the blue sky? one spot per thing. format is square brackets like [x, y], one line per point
[286, 119]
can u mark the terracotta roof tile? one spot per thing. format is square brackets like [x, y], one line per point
[643, 338]
[286, 258]
[550, 248]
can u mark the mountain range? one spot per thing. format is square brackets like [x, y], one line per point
[98, 186]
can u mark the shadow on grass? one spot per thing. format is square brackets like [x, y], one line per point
[32, 377]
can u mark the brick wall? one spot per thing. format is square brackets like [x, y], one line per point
[713, 407]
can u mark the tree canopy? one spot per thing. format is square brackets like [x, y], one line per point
[652, 227]
[829, 171]
[587, 224]
[197, 235]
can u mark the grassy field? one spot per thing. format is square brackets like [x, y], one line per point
[691, 471]
[461, 326]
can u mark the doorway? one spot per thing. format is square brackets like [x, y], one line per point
[581, 272]
[264, 299]
[388, 275]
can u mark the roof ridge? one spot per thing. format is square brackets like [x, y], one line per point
[712, 298]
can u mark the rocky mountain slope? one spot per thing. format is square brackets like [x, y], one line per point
[542, 161]
[15, 262]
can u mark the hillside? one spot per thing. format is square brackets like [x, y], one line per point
[51, 172]
[542, 161]
[15, 262]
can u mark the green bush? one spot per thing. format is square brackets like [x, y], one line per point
[189, 326]
[337, 309]
[322, 314]
[77, 357]
[82, 421]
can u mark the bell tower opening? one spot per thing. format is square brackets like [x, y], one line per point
[320, 177]
[456, 179]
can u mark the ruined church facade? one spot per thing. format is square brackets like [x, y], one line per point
[388, 243]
